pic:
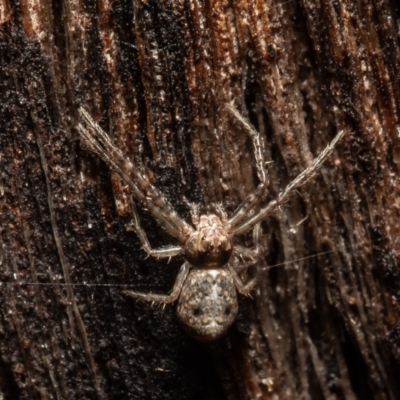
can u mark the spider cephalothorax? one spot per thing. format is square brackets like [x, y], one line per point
[210, 246]
[206, 285]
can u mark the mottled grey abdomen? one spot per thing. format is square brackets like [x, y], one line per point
[207, 305]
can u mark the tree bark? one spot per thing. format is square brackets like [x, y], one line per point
[157, 76]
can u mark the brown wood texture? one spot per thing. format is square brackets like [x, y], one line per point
[157, 76]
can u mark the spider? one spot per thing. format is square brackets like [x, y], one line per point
[207, 283]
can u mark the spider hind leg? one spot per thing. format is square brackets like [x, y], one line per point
[164, 298]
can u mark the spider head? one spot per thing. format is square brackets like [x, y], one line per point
[210, 246]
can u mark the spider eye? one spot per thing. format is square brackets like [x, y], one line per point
[203, 238]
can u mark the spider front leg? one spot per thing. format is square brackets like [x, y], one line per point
[163, 252]
[99, 142]
[254, 198]
[300, 180]
[164, 298]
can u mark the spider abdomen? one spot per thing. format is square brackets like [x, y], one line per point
[207, 305]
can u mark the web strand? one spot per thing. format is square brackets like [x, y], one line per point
[268, 267]
[127, 285]
[67, 284]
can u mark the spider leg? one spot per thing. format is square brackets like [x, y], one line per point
[254, 198]
[100, 143]
[195, 213]
[164, 298]
[254, 254]
[244, 252]
[251, 254]
[242, 288]
[301, 179]
[168, 251]
[220, 211]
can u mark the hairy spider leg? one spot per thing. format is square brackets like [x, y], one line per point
[247, 253]
[195, 213]
[254, 255]
[164, 298]
[98, 149]
[254, 198]
[220, 211]
[161, 252]
[300, 180]
[143, 191]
